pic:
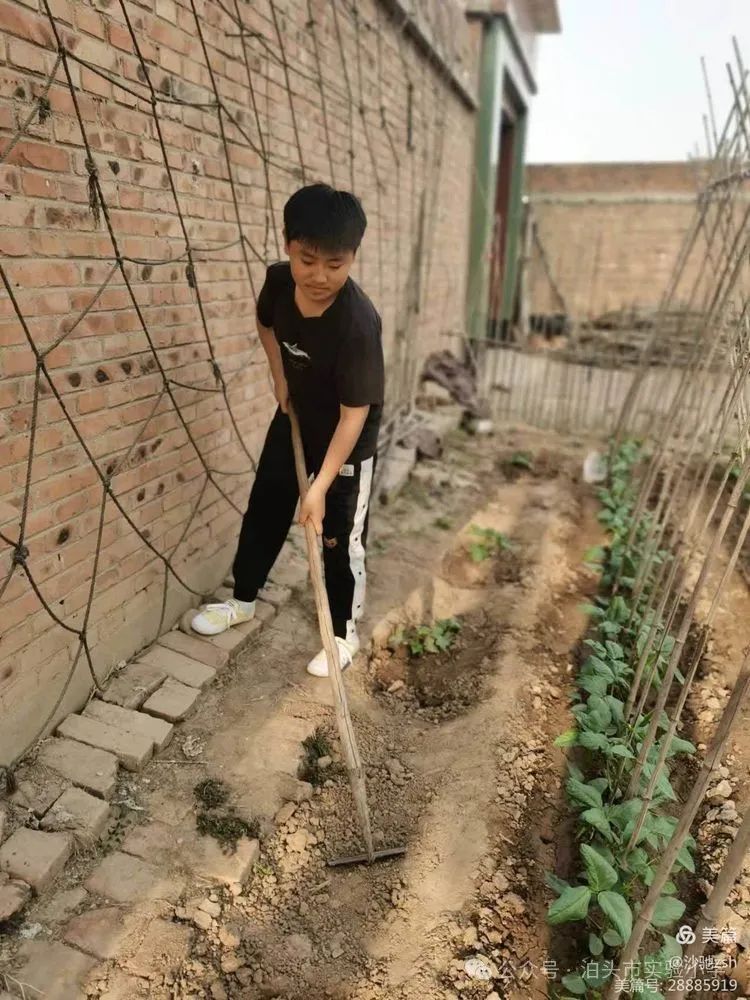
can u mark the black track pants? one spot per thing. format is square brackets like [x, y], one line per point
[269, 516]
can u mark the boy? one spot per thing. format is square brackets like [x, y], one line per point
[322, 337]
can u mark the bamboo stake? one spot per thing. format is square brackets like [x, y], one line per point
[689, 678]
[687, 620]
[710, 911]
[664, 870]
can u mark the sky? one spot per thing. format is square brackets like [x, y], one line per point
[623, 80]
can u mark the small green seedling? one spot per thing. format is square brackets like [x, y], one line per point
[522, 460]
[422, 639]
[490, 543]
[444, 523]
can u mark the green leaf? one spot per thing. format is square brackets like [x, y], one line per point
[685, 858]
[596, 945]
[572, 904]
[671, 948]
[593, 684]
[584, 793]
[616, 908]
[600, 874]
[603, 851]
[558, 884]
[574, 983]
[612, 938]
[678, 745]
[616, 707]
[567, 739]
[618, 750]
[478, 552]
[598, 819]
[593, 741]
[594, 666]
[664, 786]
[575, 772]
[667, 911]
[610, 628]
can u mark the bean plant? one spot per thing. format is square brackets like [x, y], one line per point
[614, 874]
[421, 639]
[489, 543]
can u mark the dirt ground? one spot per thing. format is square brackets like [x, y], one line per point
[458, 752]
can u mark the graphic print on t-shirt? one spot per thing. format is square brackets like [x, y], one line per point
[297, 357]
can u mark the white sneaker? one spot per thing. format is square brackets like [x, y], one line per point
[318, 665]
[215, 618]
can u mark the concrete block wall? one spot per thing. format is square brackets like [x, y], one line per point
[135, 355]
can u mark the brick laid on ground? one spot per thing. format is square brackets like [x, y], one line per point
[83, 815]
[290, 572]
[275, 594]
[126, 879]
[131, 750]
[138, 723]
[99, 932]
[94, 770]
[134, 685]
[35, 857]
[264, 611]
[37, 792]
[172, 701]
[164, 947]
[155, 842]
[178, 666]
[197, 647]
[53, 970]
[237, 635]
[14, 895]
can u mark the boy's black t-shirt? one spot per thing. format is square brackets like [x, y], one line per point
[329, 360]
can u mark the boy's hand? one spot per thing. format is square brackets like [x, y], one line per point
[281, 392]
[313, 508]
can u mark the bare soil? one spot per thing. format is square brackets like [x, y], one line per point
[461, 767]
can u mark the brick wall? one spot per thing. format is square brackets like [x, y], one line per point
[611, 234]
[180, 460]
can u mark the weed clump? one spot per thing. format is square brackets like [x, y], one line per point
[316, 745]
[225, 827]
[211, 793]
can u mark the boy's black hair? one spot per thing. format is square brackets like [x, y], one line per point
[325, 219]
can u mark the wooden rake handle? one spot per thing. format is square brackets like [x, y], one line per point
[343, 718]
